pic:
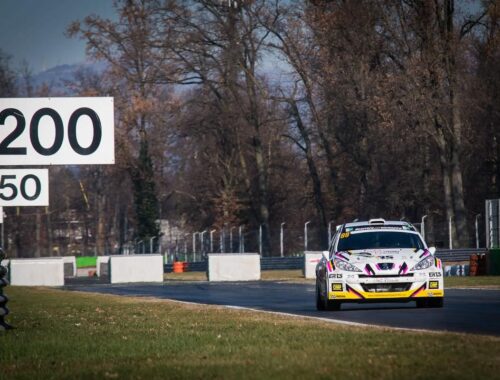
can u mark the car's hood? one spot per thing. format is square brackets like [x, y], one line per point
[384, 261]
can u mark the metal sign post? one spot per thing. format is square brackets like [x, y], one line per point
[48, 131]
[3, 298]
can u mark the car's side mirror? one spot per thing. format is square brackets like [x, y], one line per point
[326, 254]
[432, 250]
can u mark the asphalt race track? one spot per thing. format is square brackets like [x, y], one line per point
[466, 310]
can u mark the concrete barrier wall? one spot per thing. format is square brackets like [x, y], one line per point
[5, 263]
[37, 272]
[69, 266]
[102, 266]
[233, 267]
[135, 268]
[311, 259]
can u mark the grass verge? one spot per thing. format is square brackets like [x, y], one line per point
[80, 336]
[267, 275]
[472, 282]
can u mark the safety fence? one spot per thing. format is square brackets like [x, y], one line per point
[3, 298]
[266, 263]
[453, 255]
[292, 239]
[297, 262]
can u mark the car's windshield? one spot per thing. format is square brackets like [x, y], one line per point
[350, 241]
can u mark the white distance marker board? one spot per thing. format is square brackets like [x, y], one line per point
[24, 187]
[57, 131]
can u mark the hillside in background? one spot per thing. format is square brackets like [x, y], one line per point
[56, 77]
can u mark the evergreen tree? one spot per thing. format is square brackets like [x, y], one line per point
[146, 203]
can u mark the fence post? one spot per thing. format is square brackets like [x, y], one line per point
[305, 235]
[498, 223]
[422, 227]
[330, 233]
[450, 233]
[476, 224]
[3, 298]
[281, 239]
[260, 239]
[231, 239]
[202, 239]
[194, 243]
[212, 241]
[222, 238]
[240, 235]
[242, 240]
[151, 241]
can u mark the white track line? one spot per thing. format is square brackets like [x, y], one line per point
[472, 288]
[329, 320]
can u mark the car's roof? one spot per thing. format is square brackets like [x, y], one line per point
[382, 224]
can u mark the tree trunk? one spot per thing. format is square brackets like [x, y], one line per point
[100, 228]
[447, 191]
[38, 222]
[458, 202]
[49, 231]
[313, 172]
[263, 196]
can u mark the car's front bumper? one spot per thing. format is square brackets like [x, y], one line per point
[408, 289]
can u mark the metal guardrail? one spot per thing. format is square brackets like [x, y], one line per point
[451, 255]
[297, 262]
[276, 263]
[266, 263]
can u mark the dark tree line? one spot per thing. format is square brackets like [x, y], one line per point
[255, 112]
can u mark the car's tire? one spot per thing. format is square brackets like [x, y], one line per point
[436, 302]
[332, 305]
[422, 302]
[320, 304]
[430, 302]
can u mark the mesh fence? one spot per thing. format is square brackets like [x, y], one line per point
[293, 241]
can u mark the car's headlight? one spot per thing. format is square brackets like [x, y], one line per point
[424, 264]
[344, 265]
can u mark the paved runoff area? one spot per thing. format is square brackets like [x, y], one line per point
[466, 310]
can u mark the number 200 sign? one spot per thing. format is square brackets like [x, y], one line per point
[56, 131]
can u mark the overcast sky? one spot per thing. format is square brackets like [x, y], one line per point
[33, 30]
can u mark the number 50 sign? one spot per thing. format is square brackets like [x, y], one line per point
[24, 187]
[56, 131]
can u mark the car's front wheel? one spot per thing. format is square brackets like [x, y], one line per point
[436, 302]
[332, 305]
[322, 301]
[320, 304]
[430, 302]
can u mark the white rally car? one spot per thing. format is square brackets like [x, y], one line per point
[378, 261]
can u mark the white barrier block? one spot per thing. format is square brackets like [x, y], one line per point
[37, 272]
[311, 259]
[69, 266]
[135, 268]
[233, 267]
[102, 266]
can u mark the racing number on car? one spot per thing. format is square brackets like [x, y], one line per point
[34, 132]
[344, 235]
